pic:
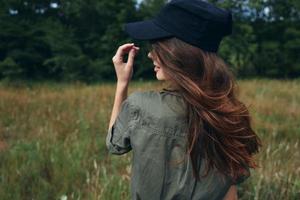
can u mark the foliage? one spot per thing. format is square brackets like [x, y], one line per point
[75, 40]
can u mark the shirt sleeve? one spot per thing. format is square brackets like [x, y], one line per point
[118, 136]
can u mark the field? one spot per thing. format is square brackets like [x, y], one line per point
[52, 141]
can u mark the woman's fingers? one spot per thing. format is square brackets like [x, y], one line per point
[118, 58]
[131, 55]
[124, 70]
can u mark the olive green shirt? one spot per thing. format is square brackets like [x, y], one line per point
[153, 124]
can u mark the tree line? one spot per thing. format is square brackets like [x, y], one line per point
[67, 40]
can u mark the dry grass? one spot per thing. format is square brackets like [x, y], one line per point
[52, 141]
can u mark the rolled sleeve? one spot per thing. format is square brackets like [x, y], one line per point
[118, 136]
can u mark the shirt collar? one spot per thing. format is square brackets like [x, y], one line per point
[171, 91]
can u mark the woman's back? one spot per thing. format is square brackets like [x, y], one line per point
[153, 124]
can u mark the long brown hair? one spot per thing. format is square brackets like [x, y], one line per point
[219, 124]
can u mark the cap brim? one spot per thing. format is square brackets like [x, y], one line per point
[145, 30]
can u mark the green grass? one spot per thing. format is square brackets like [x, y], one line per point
[52, 141]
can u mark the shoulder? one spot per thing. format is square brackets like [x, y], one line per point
[140, 98]
[158, 102]
[151, 95]
[142, 94]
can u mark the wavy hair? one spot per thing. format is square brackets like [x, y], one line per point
[219, 124]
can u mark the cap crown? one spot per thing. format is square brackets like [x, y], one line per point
[197, 22]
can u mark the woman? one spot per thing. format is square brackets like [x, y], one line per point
[193, 139]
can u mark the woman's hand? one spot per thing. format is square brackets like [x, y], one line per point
[124, 70]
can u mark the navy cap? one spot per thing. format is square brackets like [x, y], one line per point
[196, 22]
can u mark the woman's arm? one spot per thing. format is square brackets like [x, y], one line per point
[231, 194]
[120, 96]
[124, 73]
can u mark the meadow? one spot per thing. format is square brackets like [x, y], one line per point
[52, 141]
